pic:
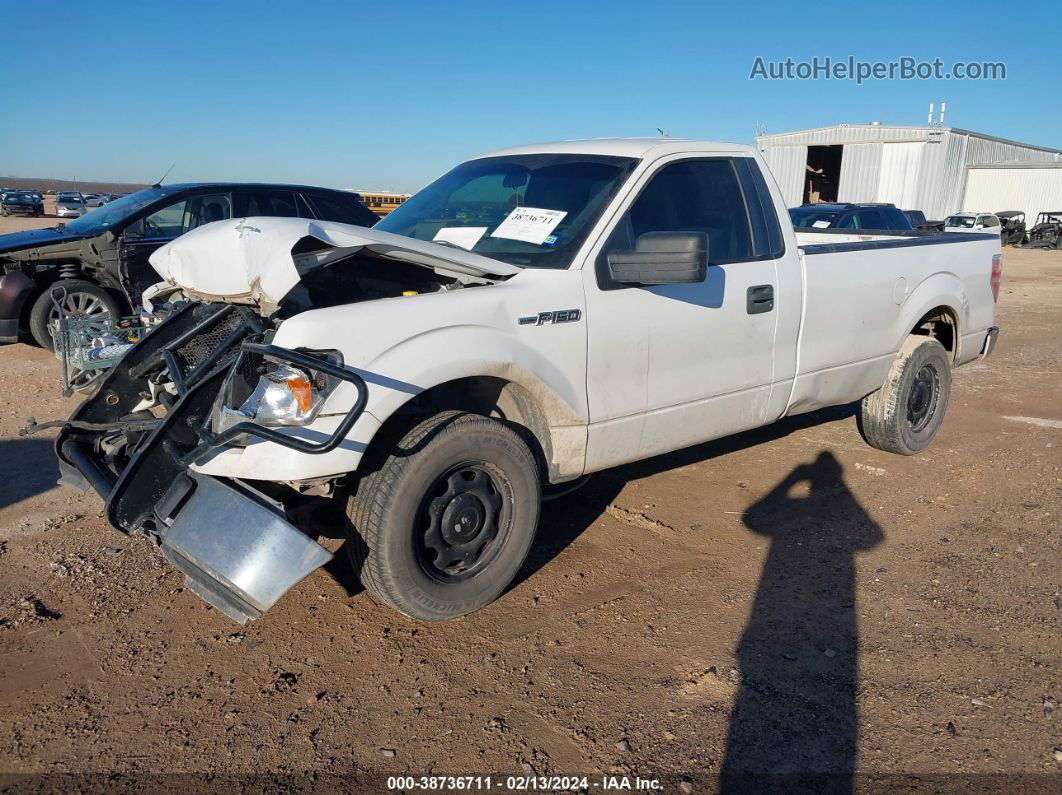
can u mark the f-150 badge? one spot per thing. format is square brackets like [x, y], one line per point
[557, 316]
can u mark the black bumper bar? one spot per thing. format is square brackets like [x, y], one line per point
[211, 440]
[133, 489]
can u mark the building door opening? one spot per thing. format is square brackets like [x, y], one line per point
[822, 174]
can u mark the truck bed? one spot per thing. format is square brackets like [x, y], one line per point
[863, 293]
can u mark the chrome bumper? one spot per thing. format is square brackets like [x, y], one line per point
[236, 549]
[990, 342]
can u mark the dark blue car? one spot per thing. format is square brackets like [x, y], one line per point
[850, 216]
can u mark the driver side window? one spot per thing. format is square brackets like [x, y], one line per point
[164, 224]
[696, 196]
[182, 216]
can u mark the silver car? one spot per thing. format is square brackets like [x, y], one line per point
[69, 205]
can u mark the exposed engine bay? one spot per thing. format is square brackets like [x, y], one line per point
[208, 378]
[221, 351]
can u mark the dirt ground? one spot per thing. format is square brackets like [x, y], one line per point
[788, 600]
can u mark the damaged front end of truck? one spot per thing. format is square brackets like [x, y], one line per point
[234, 544]
[210, 378]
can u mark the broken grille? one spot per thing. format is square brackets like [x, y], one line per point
[212, 343]
[193, 352]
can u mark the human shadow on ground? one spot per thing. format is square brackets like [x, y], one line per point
[794, 726]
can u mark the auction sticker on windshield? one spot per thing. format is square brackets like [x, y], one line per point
[463, 236]
[529, 224]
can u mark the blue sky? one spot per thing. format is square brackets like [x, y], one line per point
[389, 94]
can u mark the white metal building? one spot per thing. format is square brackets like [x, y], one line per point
[915, 168]
[1031, 188]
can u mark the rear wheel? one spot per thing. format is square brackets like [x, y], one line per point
[78, 299]
[904, 415]
[444, 523]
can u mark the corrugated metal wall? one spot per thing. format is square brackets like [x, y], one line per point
[788, 163]
[860, 173]
[901, 165]
[917, 168]
[1031, 190]
[931, 193]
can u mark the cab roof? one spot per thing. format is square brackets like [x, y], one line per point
[623, 147]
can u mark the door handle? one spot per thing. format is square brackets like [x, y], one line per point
[760, 299]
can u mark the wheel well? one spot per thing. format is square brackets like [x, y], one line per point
[941, 325]
[65, 269]
[486, 395]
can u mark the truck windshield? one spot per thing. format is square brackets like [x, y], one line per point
[960, 220]
[527, 210]
[116, 211]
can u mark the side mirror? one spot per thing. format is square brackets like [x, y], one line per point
[662, 258]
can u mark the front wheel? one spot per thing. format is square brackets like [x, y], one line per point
[443, 524]
[904, 415]
[77, 299]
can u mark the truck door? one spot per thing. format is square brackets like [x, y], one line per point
[672, 365]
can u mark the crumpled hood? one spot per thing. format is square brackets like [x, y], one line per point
[249, 260]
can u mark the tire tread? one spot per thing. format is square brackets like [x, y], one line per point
[377, 491]
[882, 411]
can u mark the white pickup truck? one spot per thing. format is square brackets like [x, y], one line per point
[532, 316]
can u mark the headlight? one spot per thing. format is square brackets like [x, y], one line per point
[273, 393]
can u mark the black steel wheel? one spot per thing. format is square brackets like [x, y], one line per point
[905, 414]
[445, 517]
[922, 397]
[461, 518]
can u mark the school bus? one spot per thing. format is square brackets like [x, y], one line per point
[382, 202]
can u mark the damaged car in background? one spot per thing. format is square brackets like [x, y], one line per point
[533, 316]
[95, 268]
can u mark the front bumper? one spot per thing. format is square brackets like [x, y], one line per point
[235, 546]
[990, 342]
[259, 559]
[69, 213]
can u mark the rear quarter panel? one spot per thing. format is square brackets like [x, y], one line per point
[861, 304]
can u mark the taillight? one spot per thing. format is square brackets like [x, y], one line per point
[997, 274]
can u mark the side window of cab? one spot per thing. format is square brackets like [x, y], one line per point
[697, 196]
[724, 197]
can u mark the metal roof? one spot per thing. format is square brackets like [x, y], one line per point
[857, 133]
[1020, 164]
[623, 147]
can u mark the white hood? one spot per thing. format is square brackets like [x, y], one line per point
[250, 259]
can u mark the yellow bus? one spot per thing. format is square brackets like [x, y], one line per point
[382, 202]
